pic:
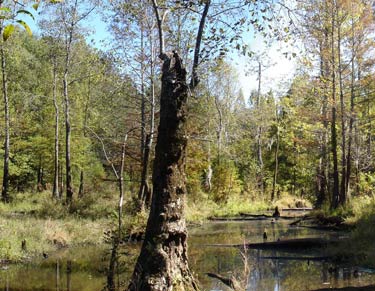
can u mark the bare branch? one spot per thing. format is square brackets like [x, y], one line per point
[159, 21]
[194, 78]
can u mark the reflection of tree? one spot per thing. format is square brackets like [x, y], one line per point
[111, 285]
[57, 276]
[120, 264]
[68, 275]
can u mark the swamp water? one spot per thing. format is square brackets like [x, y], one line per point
[86, 269]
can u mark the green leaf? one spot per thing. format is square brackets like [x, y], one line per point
[26, 12]
[6, 9]
[25, 26]
[36, 6]
[8, 30]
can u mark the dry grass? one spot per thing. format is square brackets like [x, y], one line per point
[288, 201]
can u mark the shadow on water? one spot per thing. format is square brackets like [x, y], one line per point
[108, 268]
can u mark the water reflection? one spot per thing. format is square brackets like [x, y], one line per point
[109, 268]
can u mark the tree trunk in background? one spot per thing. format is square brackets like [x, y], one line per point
[150, 138]
[144, 187]
[163, 262]
[335, 174]
[121, 187]
[81, 185]
[145, 192]
[143, 97]
[40, 177]
[343, 127]
[219, 132]
[61, 180]
[68, 173]
[323, 161]
[55, 191]
[69, 188]
[259, 133]
[274, 181]
[85, 121]
[351, 120]
[5, 189]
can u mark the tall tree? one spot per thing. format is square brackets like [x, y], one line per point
[5, 188]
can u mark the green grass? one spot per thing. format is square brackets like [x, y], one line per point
[47, 224]
[362, 216]
[46, 235]
[359, 215]
[288, 201]
[205, 208]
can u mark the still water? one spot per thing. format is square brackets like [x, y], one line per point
[84, 269]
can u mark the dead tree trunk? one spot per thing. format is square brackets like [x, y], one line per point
[163, 262]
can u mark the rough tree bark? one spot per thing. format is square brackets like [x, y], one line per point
[163, 262]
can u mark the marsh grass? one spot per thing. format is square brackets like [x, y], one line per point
[359, 216]
[362, 239]
[234, 206]
[48, 224]
[288, 201]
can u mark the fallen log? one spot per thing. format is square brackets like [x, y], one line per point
[315, 259]
[302, 243]
[325, 227]
[226, 281]
[237, 218]
[298, 209]
[294, 244]
[251, 218]
[303, 218]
